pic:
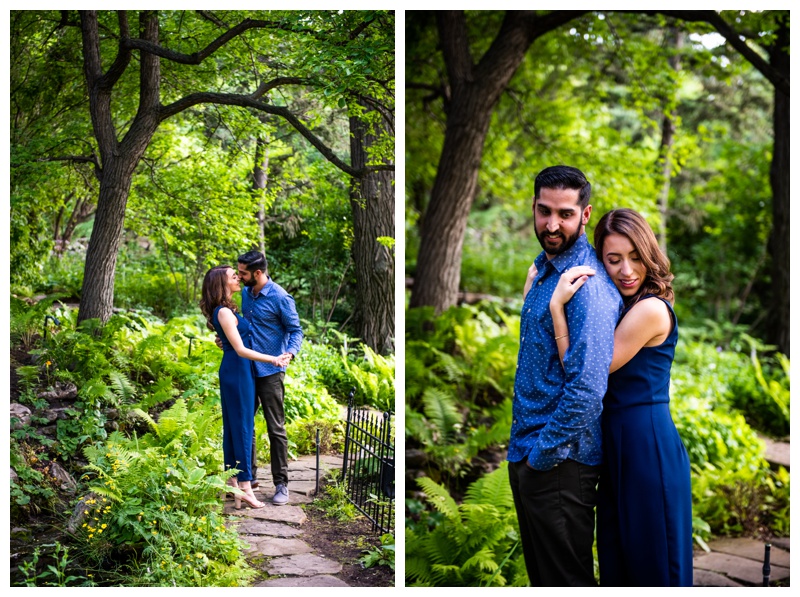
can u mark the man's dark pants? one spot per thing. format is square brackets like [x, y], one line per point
[555, 509]
[269, 395]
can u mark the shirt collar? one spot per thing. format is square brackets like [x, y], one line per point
[265, 290]
[565, 260]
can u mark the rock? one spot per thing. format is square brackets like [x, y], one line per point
[66, 391]
[265, 527]
[79, 513]
[21, 412]
[67, 482]
[14, 475]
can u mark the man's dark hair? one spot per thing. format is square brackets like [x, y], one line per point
[254, 260]
[563, 177]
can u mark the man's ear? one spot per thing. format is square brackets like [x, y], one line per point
[587, 213]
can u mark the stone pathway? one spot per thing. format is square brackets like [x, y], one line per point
[275, 532]
[738, 562]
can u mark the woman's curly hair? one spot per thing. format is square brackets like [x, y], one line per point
[629, 223]
[215, 293]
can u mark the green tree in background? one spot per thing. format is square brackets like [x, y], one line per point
[93, 88]
[603, 91]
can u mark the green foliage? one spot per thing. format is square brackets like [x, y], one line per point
[31, 491]
[157, 495]
[57, 571]
[303, 435]
[336, 501]
[472, 544]
[459, 380]
[382, 555]
[374, 379]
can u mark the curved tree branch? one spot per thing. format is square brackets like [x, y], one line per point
[247, 101]
[714, 19]
[199, 56]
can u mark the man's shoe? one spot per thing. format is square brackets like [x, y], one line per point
[281, 496]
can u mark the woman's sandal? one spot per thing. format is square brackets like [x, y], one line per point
[250, 499]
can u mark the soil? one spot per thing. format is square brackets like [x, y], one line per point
[345, 542]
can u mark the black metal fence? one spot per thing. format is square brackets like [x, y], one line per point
[368, 465]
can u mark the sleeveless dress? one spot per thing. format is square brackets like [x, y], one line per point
[644, 510]
[238, 399]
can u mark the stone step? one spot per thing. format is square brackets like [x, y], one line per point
[287, 513]
[303, 565]
[738, 568]
[275, 547]
[320, 580]
[777, 452]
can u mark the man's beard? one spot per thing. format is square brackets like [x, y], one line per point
[565, 245]
[249, 283]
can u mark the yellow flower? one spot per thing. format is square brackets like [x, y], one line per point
[99, 531]
[104, 525]
[203, 518]
[48, 363]
[84, 525]
[155, 532]
[90, 535]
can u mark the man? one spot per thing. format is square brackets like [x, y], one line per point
[271, 312]
[554, 452]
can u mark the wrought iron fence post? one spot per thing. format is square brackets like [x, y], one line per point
[316, 488]
[766, 569]
[347, 432]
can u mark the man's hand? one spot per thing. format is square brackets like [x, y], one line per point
[218, 342]
[284, 359]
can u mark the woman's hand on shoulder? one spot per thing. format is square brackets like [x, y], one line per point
[569, 283]
[532, 273]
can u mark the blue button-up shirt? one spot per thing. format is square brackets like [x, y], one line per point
[557, 409]
[276, 327]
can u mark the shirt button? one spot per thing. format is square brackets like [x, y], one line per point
[540, 283]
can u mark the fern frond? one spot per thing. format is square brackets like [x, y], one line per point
[493, 488]
[122, 386]
[440, 408]
[439, 497]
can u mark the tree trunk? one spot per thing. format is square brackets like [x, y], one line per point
[778, 320]
[372, 204]
[260, 169]
[442, 236]
[667, 142]
[475, 92]
[119, 159]
[97, 291]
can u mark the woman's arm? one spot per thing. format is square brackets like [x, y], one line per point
[229, 325]
[569, 283]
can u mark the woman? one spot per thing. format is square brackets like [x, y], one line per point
[644, 511]
[236, 377]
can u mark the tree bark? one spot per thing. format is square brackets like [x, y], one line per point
[778, 320]
[372, 204]
[118, 159]
[667, 142]
[260, 170]
[475, 92]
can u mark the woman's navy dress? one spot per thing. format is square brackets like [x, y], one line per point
[238, 398]
[644, 511]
